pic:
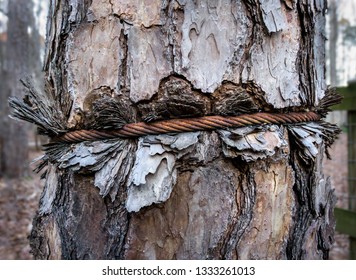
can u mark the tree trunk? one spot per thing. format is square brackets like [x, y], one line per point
[20, 57]
[333, 42]
[248, 193]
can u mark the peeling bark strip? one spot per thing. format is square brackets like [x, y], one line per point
[254, 192]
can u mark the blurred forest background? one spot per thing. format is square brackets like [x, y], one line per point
[22, 41]
[22, 45]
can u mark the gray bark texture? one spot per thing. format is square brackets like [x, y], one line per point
[249, 193]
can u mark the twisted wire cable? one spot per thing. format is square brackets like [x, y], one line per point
[187, 125]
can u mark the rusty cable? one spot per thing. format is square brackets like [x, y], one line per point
[186, 125]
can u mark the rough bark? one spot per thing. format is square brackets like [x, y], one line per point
[247, 193]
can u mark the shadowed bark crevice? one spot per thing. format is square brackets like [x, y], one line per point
[314, 223]
[245, 199]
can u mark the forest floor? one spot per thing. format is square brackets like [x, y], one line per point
[19, 202]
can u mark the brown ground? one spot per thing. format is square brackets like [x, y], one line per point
[18, 204]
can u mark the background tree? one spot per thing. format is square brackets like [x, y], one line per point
[333, 38]
[248, 193]
[19, 58]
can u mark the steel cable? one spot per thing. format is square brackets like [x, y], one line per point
[186, 125]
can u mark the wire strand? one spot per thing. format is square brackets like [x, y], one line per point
[186, 125]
